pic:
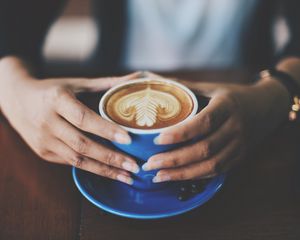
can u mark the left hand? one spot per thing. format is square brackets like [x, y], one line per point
[236, 119]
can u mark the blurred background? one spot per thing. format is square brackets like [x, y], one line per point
[73, 36]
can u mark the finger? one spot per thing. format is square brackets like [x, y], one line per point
[86, 147]
[223, 166]
[71, 157]
[95, 167]
[87, 120]
[206, 168]
[226, 164]
[61, 153]
[205, 122]
[54, 158]
[97, 84]
[196, 152]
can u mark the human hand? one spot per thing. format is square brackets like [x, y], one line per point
[236, 119]
[51, 120]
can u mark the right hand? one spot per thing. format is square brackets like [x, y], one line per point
[50, 119]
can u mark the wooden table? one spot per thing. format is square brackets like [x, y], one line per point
[260, 199]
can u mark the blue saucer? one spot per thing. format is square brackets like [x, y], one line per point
[125, 201]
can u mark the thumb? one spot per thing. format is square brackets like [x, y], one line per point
[97, 84]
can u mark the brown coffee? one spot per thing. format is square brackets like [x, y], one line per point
[148, 105]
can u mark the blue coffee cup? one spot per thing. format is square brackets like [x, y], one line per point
[142, 145]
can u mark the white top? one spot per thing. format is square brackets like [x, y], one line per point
[174, 34]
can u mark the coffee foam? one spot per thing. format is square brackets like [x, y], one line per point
[148, 105]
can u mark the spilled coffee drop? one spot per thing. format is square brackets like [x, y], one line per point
[148, 105]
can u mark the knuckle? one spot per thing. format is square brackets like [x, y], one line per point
[184, 133]
[58, 92]
[80, 115]
[77, 160]
[174, 162]
[40, 141]
[81, 145]
[42, 152]
[110, 158]
[232, 101]
[42, 119]
[183, 175]
[212, 167]
[108, 172]
[208, 121]
[43, 123]
[57, 95]
[206, 149]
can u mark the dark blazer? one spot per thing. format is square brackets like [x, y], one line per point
[24, 24]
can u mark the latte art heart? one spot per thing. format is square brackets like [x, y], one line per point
[147, 107]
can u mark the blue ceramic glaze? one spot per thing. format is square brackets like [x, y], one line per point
[142, 148]
[122, 200]
[142, 145]
[145, 200]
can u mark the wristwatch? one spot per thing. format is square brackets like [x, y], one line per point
[290, 84]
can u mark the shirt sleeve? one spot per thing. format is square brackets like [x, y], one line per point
[23, 26]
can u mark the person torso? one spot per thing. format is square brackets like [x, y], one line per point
[176, 34]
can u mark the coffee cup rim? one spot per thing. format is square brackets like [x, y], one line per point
[145, 79]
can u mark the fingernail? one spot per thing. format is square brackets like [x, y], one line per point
[156, 140]
[125, 179]
[160, 173]
[146, 166]
[122, 138]
[163, 139]
[131, 167]
[151, 165]
[161, 178]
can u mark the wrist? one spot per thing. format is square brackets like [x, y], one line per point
[276, 96]
[290, 84]
[14, 73]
